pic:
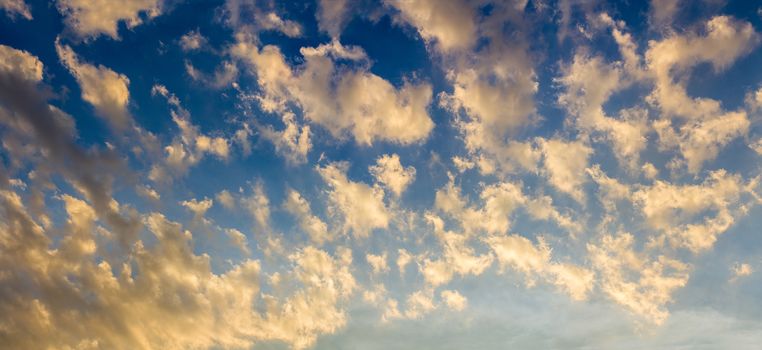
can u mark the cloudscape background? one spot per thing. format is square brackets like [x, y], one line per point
[404, 174]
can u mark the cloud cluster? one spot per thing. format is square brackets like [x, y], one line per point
[109, 243]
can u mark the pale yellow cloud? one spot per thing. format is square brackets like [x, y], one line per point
[198, 207]
[258, 206]
[238, 239]
[450, 24]
[534, 261]
[15, 8]
[390, 172]
[332, 15]
[226, 199]
[641, 283]
[706, 127]
[293, 142]
[564, 163]
[189, 147]
[193, 40]
[361, 207]
[680, 211]
[20, 62]
[91, 18]
[377, 262]
[740, 270]
[454, 300]
[104, 89]
[458, 257]
[344, 101]
[312, 225]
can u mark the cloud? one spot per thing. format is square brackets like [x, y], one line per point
[224, 75]
[101, 87]
[313, 226]
[706, 127]
[169, 287]
[51, 133]
[293, 142]
[238, 239]
[189, 147]
[450, 24]
[332, 15]
[377, 263]
[360, 206]
[403, 259]
[198, 208]
[20, 62]
[343, 100]
[390, 172]
[226, 199]
[89, 19]
[258, 206]
[589, 83]
[693, 216]
[564, 163]
[193, 40]
[454, 300]
[642, 284]
[271, 21]
[15, 8]
[740, 270]
[662, 12]
[418, 304]
[457, 257]
[534, 261]
[313, 310]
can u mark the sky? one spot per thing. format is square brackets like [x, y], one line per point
[406, 174]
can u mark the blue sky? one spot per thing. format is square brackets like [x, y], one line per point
[406, 174]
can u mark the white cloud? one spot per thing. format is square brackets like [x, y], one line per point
[91, 18]
[390, 172]
[360, 206]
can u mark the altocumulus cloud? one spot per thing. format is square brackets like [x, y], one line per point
[242, 174]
